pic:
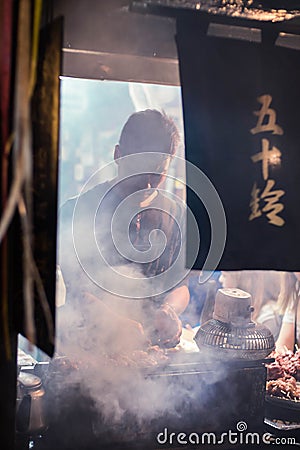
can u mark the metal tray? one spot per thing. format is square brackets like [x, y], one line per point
[284, 402]
[184, 363]
[282, 425]
[282, 408]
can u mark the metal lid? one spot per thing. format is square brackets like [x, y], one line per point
[29, 381]
[233, 306]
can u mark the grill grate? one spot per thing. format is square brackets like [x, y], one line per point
[251, 342]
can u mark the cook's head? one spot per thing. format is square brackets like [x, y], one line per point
[147, 132]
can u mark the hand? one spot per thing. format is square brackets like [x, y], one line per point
[129, 335]
[167, 327]
[114, 333]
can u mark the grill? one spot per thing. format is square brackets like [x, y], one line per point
[193, 392]
[231, 333]
[237, 342]
[206, 396]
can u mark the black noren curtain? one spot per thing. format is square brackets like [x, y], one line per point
[242, 129]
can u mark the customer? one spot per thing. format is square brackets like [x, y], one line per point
[264, 287]
[289, 336]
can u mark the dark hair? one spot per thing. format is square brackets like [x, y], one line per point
[149, 131]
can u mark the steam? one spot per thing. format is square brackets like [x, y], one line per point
[129, 401]
[125, 398]
[132, 398]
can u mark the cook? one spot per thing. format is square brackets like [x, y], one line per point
[155, 319]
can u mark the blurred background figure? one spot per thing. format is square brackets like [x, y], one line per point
[289, 306]
[264, 287]
[202, 297]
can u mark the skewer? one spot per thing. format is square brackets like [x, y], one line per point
[285, 348]
[296, 347]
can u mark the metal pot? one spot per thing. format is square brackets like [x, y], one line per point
[30, 418]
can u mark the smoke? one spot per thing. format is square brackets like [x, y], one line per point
[114, 400]
[106, 372]
[111, 396]
[110, 378]
[124, 399]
